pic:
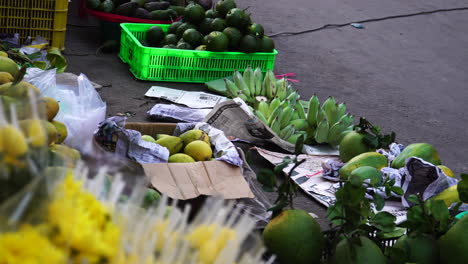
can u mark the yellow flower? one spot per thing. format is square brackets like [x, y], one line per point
[83, 224]
[28, 246]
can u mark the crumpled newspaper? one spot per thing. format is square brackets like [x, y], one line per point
[171, 112]
[417, 176]
[128, 143]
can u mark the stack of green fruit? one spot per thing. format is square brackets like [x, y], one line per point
[224, 28]
[191, 146]
[277, 105]
[144, 9]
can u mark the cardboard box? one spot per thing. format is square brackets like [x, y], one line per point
[189, 180]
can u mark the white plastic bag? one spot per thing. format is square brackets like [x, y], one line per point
[81, 107]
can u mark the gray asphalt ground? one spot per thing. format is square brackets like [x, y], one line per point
[408, 75]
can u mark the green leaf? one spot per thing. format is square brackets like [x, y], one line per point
[299, 145]
[40, 64]
[397, 190]
[413, 199]
[439, 210]
[379, 202]
[396, 255]
[462, 188]
[335, 213]
[57, 60]
[396, 233]
[266, 178]
[384, 221]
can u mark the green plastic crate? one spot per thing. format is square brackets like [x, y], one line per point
[174, 65]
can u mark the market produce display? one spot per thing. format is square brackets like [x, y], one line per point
[29, 133]
[224, 28]
[87, 219]
[144, 9]
[278, 105]
[191, 146]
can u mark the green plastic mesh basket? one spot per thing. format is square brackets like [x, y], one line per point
[174, 65]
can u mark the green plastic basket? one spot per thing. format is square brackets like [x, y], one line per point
[174, 65]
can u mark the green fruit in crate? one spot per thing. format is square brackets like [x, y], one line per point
[248, 44]
[169, 46]
[234, 36]
[126, 9]
[154, 35]
[353, 253]
[180, 10]
[107, 6]
[453, 245]
[173, 144]
[173, 27]
[205, 26]
[236, 17]
[201, 48]
[93, 4]
[170, 39]
[294, 237]
[218, 24]
[199, 150]
[211, 13]
[181, 29]
[419, 249]
[141, 13]
[194, 13]
[352, 145]
[184, 45]
[372, 159]
[223, 7]
[217, 41]
[256, 30]
[266, 44]
[421, 150]
[8, 65]
[180, 158]
[192, 37]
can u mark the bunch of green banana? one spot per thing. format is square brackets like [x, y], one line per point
[252, 86]
[329, 123]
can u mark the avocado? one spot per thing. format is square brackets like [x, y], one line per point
[120, 2]
[126, 9]
[163, 14]
[177, 2]
[234, 36]
[218, 24]
[107, 6]
[156, 6]
[192, 37]
[217, 41]
[169, 46]
[238, 18]
[139, 2]
[206, 4]
[141, 13]
[179, 9]
[266, 44]
[201, 48]
[256, 30]
[92, 4]
[184, 45]
[211, 13]
[205, 26]
[224, 6]
[173, 27]
[181, 29]
[205, 39]
[154, 35]
[194, 13]
[170, 39]
[248, 44]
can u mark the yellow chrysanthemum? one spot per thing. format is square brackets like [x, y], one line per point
[82, 224]
[29, 246]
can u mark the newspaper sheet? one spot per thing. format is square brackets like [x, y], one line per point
[309, 178]
[190, 99]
